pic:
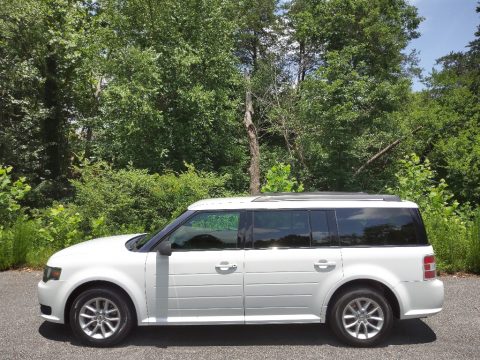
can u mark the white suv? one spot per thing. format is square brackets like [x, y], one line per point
[355, 261]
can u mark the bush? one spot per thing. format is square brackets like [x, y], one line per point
[10, 194]
[106, 202]
[474, 237]
[278, 179]
[15, 243]
[6, 257]
[132, 200]
[58, 227]
[449, 225]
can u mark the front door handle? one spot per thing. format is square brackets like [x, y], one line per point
[225, 266]
[324, 264]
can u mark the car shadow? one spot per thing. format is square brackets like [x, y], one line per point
[404, 332]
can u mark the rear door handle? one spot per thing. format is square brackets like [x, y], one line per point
[225, 266]
[324, 264]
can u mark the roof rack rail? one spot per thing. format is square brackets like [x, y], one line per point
[325, 196]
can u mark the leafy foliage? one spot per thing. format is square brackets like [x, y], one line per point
[107, 202]
[140, 88]
[449, 226]
[278, 179]
[11, 192]
[131, 200]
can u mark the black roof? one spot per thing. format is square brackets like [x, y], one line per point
[326, 196]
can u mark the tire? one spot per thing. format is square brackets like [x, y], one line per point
[101, 317]
[361, 317]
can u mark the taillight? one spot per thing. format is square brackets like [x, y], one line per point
[429, 268]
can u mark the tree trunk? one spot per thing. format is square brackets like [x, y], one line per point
[89, 127]
[254, 168]
[55, 142]
[301, 62]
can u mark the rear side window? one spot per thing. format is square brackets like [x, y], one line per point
[291, 228]
[281, 229]
[379, 226]
[320, 231]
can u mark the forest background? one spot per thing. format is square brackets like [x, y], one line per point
[117, 114]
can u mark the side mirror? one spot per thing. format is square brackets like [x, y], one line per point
[165, 248]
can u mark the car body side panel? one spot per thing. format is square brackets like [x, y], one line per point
[398, 268]
[285, 285]
[190, 287]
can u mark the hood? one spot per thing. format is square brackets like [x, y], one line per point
[110, 245]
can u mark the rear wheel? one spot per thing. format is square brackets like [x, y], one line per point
[101, 317]
[361, 317]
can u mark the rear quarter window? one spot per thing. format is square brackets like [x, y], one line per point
[380, 226]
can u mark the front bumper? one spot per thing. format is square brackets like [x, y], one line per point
[49, 294]
[421, 298]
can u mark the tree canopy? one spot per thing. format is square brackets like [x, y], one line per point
[153, 85]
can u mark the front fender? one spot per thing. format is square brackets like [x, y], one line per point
[130, 283]
[127, 272]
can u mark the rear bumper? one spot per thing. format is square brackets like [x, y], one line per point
[420, 298]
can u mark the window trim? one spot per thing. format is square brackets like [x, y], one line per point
[240, 232]
[246, 230]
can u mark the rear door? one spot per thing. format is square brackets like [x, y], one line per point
[291, 261]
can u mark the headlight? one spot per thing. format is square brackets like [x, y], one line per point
[51, 273]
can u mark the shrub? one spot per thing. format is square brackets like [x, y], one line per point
[15, 243]
[278, 179]
[6, 258]
[10, 194]
[131, 200]
[58, 227]
[474, 237]
[446, 222]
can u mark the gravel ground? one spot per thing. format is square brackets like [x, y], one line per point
[452, 334]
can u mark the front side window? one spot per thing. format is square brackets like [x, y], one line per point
[208, 230]
[376, 226]
[281, 229]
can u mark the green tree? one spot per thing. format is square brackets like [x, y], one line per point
[455, 148]
[170, 94]
[348, 102]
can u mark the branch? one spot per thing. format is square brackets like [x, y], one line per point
[384, 151]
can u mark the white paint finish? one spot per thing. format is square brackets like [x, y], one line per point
[204, 290]
[282, 284]
[280, 277]
[267, 286]
[398, 268]
[105, 259]
[289, 288]
[420, 298]
[190, 284]
[206, 320]
[394, 264]
[282, 319]
[248, 203]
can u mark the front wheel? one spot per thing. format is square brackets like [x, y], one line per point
[361, 317]
[101, 317]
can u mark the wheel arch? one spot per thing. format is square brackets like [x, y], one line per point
[386, 290]
[97, 284]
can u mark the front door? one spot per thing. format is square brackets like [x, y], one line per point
[202, 281]
[291, 263]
